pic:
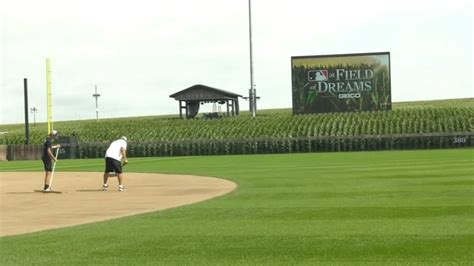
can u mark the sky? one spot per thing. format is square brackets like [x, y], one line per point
[139, 52]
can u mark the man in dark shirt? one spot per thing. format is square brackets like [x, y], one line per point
[48, 158]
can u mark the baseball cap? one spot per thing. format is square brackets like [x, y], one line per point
[54, 132]
[124, 138]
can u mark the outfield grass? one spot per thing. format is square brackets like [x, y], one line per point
[408, 207]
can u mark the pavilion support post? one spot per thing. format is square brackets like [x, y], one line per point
[237, 107]
[233, 107]
[183, 105]
[187, 109]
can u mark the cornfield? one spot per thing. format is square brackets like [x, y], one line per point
[428, 127]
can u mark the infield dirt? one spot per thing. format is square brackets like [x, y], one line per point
[83, 201]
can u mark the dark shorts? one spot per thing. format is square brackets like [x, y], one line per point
[112, 165]
[48, 164]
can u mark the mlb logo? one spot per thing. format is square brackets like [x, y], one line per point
[318, 75]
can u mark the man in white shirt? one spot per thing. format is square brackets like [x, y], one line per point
[114, 156]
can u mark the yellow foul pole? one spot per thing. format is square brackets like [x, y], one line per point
[49, 99]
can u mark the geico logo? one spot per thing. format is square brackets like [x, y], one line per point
[349, 95]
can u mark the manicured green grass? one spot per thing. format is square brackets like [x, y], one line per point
[408, 207]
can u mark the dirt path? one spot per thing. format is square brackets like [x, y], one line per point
[83, 201]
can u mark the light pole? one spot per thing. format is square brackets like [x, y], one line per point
[96, 96]
[252, 90]
[34, 110]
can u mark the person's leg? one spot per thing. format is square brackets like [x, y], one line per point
[120, 181]
[120, 178]
[47, 179]
[108, 168]
[119, 173]
[106, 178]
[105, 186]
[48, 168]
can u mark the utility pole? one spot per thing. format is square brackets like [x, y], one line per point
[252, 90]
[27, 123]
[96, 96]
[34, 110]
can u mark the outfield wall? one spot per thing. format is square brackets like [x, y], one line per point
[24, 152]
[3, 153]
[298, 145]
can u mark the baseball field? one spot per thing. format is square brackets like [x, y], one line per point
[379, 208]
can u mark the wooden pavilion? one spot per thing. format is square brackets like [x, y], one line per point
[191, 98]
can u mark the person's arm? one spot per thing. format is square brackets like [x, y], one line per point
[50, 154]
[124, 155]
